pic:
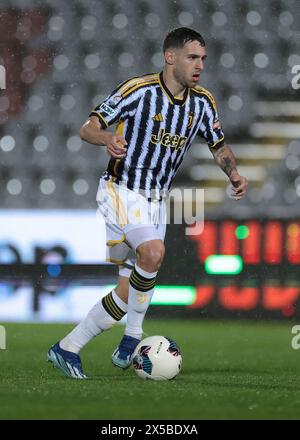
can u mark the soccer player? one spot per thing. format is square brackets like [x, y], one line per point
[157, 117]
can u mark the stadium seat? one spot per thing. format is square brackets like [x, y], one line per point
[251, 49]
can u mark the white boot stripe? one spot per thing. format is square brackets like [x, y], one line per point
[71, 369]
[65, 366]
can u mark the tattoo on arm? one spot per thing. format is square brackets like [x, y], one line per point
[225, 159]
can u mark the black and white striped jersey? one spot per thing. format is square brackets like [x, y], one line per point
[159, 129]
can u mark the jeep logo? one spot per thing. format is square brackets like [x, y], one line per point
[168, 140]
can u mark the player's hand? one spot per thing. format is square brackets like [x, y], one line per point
[239, 185]
[116, 145]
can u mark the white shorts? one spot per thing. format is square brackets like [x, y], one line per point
[130, 220]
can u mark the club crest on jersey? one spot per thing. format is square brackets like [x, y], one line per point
[107, 109]
[168, 140]
[191, 119]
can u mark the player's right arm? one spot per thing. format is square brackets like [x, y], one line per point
[111, 111]
[93, 133]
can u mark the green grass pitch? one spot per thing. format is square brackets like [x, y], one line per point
[231, 370]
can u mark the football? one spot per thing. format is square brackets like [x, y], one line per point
[157, 358]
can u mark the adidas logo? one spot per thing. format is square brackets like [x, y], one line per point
[158, 117]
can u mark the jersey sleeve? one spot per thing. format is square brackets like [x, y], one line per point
[111, 110]
[210, 128]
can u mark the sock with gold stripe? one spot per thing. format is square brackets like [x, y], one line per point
[101, 317]
[141, 288]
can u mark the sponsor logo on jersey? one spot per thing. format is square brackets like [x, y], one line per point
[107, 109]
[114, 100]
[158, 117]
[168, 140]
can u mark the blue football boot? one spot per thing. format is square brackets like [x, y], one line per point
[123, 354]
[69, 363]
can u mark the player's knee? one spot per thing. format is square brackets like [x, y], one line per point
[150, 255]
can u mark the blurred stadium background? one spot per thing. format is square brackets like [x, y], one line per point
[61, 59]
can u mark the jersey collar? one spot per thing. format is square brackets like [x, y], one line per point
[172, 99]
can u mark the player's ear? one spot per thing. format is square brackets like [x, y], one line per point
[169, 56]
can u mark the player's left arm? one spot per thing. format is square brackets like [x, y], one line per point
[225, 158]
[211, 130]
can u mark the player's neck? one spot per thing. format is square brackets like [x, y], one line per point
[174, 87]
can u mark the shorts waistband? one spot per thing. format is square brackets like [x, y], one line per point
[156, 198]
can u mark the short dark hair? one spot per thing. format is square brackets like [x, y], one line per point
[178, 37]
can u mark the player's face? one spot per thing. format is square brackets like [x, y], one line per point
[189, 63]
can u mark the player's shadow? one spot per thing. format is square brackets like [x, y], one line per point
[116, 378]
[210, 381]
[223, 370]
[254, 386]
